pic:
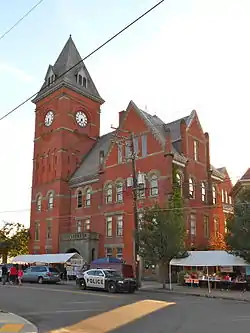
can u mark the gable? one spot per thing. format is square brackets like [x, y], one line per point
[194, 127]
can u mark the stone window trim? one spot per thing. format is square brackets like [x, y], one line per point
[153, 176]
[119, 188]
[108, 193]
[116, 245]
[50, 199]
[79, 198]
[39, 199]
[87, 192]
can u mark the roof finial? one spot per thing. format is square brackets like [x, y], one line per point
[70, 36]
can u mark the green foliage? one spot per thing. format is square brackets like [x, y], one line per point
[162, 233]
[14, 239]
[238, 226]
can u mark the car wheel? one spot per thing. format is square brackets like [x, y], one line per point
[40, 280]
[112, 287]
[82, 284]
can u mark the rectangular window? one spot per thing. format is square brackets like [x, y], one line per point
[144, 149]
[78, 226]
[216, 226]
[119, 253]
[119, 226]
[136, 145]
[87, 225]
[128, 150]
[196, 144]
[206, 226]
[37, 231]
[49, 230]
[109, 252]
[193, 225]
[119, 192]
[120, 153]
[109, 227]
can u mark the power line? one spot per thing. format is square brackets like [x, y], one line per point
[21, 19]
[89, 55]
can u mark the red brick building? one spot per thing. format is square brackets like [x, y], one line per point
[81, 191]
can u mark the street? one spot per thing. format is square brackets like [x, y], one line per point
[52, 307]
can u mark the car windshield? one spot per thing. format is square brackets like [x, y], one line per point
[110, 273]
[53, 270]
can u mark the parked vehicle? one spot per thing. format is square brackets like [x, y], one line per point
[105, 279]
[41, 274]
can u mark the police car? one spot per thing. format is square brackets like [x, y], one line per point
[105, 279]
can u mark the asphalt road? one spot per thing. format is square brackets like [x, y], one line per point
[52, 307]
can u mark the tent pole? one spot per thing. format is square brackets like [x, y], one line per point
[208, 283]
[170, 277]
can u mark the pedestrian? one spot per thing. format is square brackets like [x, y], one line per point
[4, 274]
[20, 275]
[13, 275]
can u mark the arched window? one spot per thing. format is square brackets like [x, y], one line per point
[88, 198]
[109, 193]
[203, 192]
[154, 186]
[214, 195]
[222, 195]
[119, 192]
[50, 200]
[226, 197]
[80, 79]
[39, 203]
[79, 199]
[84, 82]
[191, 188]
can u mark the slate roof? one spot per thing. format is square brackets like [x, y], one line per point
[68, 58]
[90, 164]
[246, 175]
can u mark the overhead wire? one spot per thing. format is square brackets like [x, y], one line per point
[21, 19]
[83, 59]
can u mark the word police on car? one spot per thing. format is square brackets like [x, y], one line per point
[105, 279]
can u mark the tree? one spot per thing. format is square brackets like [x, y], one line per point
[238, 226]
[217, 242]
[14, 239]
[162, 233]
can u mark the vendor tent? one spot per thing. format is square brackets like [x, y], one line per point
[57, 258]
[209, 258]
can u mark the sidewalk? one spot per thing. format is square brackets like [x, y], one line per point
[11, 323]
[153, 286]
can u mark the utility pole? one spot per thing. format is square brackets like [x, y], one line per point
[135, 198]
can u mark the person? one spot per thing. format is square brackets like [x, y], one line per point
[20, 275]
[4, 274]
[13, 275]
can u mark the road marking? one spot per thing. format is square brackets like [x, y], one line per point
[73, 292]
[13, 328]
[109, 321]
[83, 302]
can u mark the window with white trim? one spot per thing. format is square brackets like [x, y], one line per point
[88, 198]
[87, 225]
[109, 227]
[119, 253]
[154, 186]
[39, 203]
[109, 193]
[119, 226]
[192, 224]
[78, 226]
[191, 188]
[109, 252]
[226, 197]
[203, 192]
[50, 200]
[79, 199]
[141, 185]
[119, 192]
[196, 145]
[214, 195]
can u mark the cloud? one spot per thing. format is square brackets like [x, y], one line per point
[18, 73]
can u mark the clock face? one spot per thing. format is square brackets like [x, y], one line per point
[48, 120]
[81, 119]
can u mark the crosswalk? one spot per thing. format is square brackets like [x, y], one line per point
[111, 320]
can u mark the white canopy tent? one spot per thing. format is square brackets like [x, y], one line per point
[207, 259]
[57, 258]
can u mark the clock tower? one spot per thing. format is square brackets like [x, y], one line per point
[67, 125]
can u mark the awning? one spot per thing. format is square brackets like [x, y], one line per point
[209, 258]
[57, 258]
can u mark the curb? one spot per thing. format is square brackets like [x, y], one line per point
[161, 291]
[9, 318]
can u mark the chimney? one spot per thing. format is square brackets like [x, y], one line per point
[168, 141]
[121, 117]
[183, 130]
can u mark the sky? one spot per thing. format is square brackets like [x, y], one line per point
[185, 55]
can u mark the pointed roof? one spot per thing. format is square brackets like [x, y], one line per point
[65, 69]
[246, 176]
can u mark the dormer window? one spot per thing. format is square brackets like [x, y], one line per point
[51, 79]
[81, 80]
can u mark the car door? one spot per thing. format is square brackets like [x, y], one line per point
[89, 278]
[99, 279]
[27, 275]
[34, 273]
